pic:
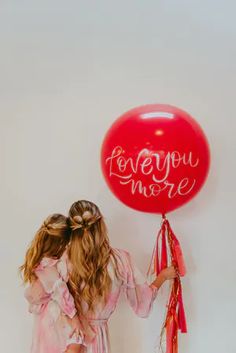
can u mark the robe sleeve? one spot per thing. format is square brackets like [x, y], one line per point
[36, 297]
[139, 293]
[54, 284]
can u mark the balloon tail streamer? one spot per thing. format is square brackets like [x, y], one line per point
[168, 252]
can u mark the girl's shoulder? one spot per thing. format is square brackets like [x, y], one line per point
[48, 262]
[127, 268]
[63, 266]
[120, 254]
[122, 260]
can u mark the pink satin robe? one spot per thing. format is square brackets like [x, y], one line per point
[139, 294]
[51, 302]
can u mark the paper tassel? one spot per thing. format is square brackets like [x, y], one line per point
[170, 254]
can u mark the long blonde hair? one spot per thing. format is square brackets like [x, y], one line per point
[49, 241]
[89, 253]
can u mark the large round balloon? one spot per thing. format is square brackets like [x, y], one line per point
[155, 158]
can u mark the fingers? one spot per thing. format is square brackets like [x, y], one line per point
[72, 333]
[81, 334]
[77, 333]
[174, 271]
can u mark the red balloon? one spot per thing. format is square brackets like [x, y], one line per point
[155, 158]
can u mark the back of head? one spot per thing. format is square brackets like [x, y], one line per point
[89, 252]
[50, 241]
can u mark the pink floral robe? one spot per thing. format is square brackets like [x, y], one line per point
[51, 302]
[139, 294]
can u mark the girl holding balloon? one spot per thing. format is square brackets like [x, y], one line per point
[99, 273]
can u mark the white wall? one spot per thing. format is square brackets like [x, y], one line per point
[67, 70]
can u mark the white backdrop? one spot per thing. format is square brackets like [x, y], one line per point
[67, 70]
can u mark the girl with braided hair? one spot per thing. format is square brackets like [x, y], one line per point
[45, 269]
[98, 273]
